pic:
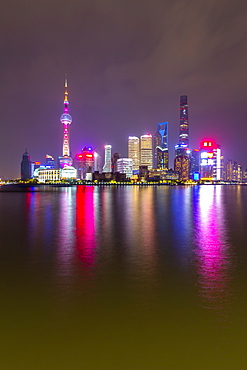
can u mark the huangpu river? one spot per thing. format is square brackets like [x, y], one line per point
[148, 277]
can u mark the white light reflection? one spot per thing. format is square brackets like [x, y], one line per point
[66, 237]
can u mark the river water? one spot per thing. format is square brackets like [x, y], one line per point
[124, 277]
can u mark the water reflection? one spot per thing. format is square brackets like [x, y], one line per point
[182, 223]
[32, 202]
[85, 228]
[66, 235]
[213, 261]
[138, 233]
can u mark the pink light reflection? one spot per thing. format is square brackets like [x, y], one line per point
[212, 253]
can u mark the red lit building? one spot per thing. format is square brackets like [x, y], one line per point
[85, 163]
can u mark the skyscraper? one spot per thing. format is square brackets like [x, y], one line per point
[107, 165]
[25, 166]
[49, 161]
[184, 121]
[161, 146]
[229, 170]
[210, 161]
[182, 161]
[85, 162]
[195, 164]
[181, 165]
[66, 121]
[115, 157]
[134, 151]
[146, 151]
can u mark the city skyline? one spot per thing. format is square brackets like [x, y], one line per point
[148, 150]
[126, 75]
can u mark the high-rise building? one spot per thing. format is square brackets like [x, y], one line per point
[182, 161]
[146, 158]
[184, 121]
[66, 121]
[161, 158]
[85, 163]
[235, 171]
[240, 173]
[181, 166]
[125, 165]
[245, 175]
[49, 161]
[115, 157]
[134, 151]
[210, 161]
[229, 170]
[25, 166]
[107, 165]
[97, 162]
[195, 164]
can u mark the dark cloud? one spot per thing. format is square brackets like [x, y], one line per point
[127, 62]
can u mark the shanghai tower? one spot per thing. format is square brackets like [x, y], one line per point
[184, 121]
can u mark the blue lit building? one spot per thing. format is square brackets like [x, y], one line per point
[161, 157]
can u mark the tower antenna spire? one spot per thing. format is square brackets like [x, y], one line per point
[66, 95]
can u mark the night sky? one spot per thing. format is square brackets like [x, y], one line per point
[127, 63]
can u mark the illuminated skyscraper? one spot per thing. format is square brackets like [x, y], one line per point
[134, 151]
[195, 164]
[85, 163]
[146, 151]
[229, 170]
[161, 146]
[182, 161]
[97, 162]
[184, 121]
[181, 165]
[124, 165]
[49, 161]
[107, 165]
[210, 161]
[66, 121]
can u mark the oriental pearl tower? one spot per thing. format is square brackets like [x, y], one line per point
[66, 120]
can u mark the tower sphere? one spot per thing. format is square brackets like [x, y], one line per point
[66, 119]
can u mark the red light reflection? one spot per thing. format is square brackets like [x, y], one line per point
[85, 228]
